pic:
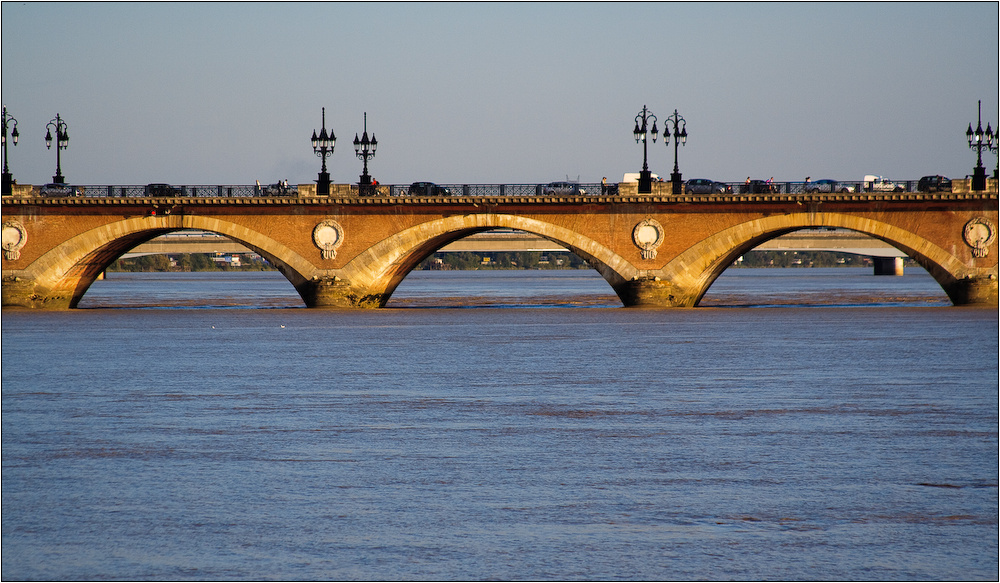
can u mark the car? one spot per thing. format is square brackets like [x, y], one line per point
[827, 185]
[758, 187]
[59, 189]
[935, 183]
[563, 188]
[706, 186]
[427, 189]
[873, 183]
[161, 189]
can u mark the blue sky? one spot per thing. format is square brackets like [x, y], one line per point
[229, 93]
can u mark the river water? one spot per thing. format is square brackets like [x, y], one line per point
[807, 424]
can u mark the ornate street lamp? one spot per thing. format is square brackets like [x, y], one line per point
[680, 137]
[62, 142]
[323, 146]
[8, 180]
[645, 177]
[365, 149]
[979, 141]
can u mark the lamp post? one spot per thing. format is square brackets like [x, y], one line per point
[645, 177]
[365, 149]
[8, 180]
[323, 146]
[680, 137]
[979, 141]
[62, 142]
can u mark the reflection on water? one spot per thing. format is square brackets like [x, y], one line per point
[840, 286]
[236, 289]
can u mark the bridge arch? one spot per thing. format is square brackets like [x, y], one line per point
[693, 271]
[62, 276]
[376, 272]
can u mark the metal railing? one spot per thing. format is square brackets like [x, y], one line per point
[382, 190]
[763, 187]
[494, 190]
[213, 191]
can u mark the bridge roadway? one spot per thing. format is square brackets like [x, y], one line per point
[506, 240]
[352, 251]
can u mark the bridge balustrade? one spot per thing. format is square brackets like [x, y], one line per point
[143, 191]
[803, 187]
[252, 190]
[470, 190]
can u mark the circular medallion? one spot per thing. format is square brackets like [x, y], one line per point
[979, 233]
[647, 236]
[328, 235]
[13, 239]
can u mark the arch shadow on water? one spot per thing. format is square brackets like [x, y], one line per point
[192, 290]
[504, 289]
[730, 285]
[828, 287]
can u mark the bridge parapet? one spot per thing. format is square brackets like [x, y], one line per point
[340, 191]
[383, 198]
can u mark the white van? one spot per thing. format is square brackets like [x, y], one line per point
[634, 177]
[873, 183]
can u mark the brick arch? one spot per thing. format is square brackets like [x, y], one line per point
[698, 267]
[63, 275]
[375, 273]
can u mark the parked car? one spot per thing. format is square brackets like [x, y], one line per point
[563, 188]
[827, 185]
[427, 189]
[936, 183]
[873, 183]
[60, 189]
[706, 186]
[161, 189]
[758, 187]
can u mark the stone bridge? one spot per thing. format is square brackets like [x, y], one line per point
[352, 252]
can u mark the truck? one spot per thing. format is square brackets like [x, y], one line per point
[634, 177]
[874, 183]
